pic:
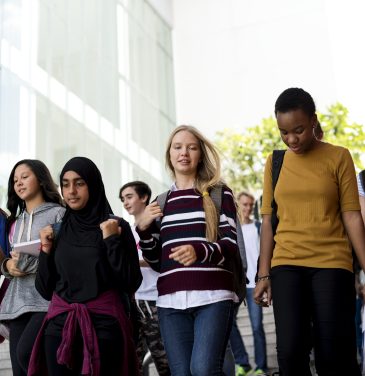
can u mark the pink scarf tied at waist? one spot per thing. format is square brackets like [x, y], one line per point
[108, 303]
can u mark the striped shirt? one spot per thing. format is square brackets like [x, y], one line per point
[359, 185]
[184, 223]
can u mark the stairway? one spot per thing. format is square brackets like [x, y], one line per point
[246, 333]
[5, 364]
[243, 324]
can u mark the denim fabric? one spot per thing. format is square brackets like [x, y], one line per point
[195, 339]
[229, 366]
[255, 313]
[236, 341]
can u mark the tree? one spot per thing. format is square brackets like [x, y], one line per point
[245, 154]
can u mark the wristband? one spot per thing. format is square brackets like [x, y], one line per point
[264, 278]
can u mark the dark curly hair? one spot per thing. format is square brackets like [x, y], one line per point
[295, 99]
[16, 205]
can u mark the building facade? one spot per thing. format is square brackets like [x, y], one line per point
[87, 78]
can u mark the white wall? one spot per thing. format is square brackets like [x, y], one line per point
[234, 57]
[164, 8]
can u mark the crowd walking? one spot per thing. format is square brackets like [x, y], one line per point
[87, 293]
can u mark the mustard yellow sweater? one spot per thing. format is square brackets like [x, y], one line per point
[312, 191]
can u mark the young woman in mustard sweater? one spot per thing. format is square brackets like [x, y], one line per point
[306, 268]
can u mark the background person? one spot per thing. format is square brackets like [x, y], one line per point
[251, 236]
[308, 270]
[33, 203]
[135, 196]
[361, 188]
[3, 236]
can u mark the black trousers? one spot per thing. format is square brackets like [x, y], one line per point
[23, 332]
[110, 356]
[315, 307]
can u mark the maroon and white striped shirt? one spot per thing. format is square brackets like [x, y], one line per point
[184, 223]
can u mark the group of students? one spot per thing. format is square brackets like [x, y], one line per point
[70, 309]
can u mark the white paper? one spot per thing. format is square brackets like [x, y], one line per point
[30, 248]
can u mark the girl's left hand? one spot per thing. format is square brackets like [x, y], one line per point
[110, 227]
[184, 254]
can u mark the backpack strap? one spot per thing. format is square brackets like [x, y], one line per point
[161, 200]
[216, 196]
[258, 226]
[277, 162]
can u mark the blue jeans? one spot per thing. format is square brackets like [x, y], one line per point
[196, 338]
[238, 347]
[259, 339]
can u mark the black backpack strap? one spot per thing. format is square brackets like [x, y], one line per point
[258, 227]
[161, 200]
[277, 162]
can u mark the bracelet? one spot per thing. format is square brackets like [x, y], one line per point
[263, 278]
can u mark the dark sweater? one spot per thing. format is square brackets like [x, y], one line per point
[184, 223]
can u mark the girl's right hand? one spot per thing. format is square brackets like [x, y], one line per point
[12, 265]
[262, 293]
[150, 213]
[46, 236]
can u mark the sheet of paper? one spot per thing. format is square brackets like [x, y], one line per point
[30, 248]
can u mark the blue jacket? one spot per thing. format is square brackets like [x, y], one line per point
[3, 236]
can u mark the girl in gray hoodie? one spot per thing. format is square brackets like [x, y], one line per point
[33, 202]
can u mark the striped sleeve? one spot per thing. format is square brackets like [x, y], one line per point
[226, 245]
[150, 245]
[360, 187]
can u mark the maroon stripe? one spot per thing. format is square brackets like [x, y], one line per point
[189, 280]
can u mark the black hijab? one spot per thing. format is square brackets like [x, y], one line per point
[81, 255]
[81, 227]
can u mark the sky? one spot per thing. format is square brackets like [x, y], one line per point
[232, 58]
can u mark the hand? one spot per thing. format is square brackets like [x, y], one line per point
[184, 254]
[12, 265]
[262, 293]
[110, 227]
[46, 235]
[150, 213]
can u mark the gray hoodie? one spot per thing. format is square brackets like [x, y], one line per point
[21, 295]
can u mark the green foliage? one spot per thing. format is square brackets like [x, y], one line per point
[245, 154]
[338, 131]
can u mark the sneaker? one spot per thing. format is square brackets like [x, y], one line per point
[259, 372]
[240, 371]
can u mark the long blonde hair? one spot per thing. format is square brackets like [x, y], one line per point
[208, 175]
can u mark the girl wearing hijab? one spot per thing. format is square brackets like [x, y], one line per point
[33, 202]
[85, 270]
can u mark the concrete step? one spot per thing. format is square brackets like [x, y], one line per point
[244, 325]
[5, 364]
